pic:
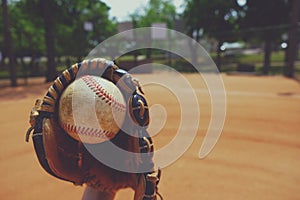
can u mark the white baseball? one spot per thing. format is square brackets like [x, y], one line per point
[91, 109]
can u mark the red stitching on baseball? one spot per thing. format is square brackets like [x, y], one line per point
[86, 131]
[103, 94]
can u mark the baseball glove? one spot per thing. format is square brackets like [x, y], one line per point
[68, 159]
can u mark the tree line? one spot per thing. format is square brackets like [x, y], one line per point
[52, 28]
[56, 28]
[259, 22]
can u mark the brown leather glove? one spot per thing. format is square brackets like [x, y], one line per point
[70, 160]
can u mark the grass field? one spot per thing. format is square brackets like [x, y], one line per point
[228, 63]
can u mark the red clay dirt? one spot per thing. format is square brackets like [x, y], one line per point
[256, 157]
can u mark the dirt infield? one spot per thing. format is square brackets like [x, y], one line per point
[257, 156]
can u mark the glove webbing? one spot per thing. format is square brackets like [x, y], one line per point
[69, 75]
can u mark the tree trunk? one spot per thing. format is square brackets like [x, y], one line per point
[293, 39]
[49, 38]
[218, 62]
[9, 45]
[193, 49]
[267, 57]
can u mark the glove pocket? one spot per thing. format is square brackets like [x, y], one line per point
[62, 152]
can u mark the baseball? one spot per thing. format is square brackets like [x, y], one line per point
[91, 109]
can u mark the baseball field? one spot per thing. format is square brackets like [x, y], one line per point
[256, 157]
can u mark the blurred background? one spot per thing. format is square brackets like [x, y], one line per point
[43, 37]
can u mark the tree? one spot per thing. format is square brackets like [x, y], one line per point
[65, 32]
[47, 8]
[156, 11]
[55, 28]
[214, 18]
[265, 21]
[28, 34]
[293, 38]
[71, 37]
[9, 44]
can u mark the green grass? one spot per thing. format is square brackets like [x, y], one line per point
[229, 63]
[277, 56]
[253, 58]
[4, 74]
[21, 73]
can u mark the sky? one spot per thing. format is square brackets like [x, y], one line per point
[122, 8]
